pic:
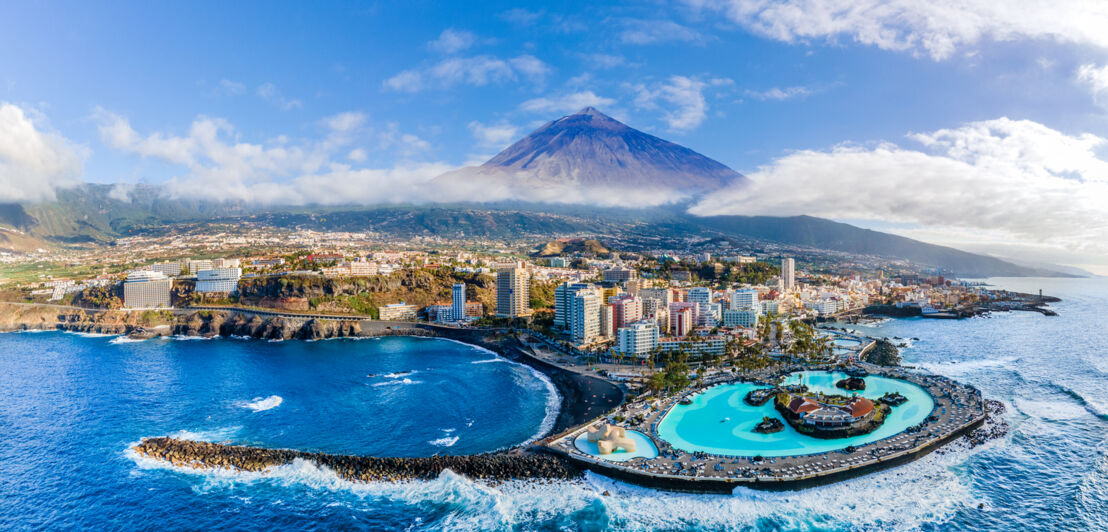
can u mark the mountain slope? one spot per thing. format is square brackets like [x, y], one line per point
[89, 213]
[589, 157]
[807, 231]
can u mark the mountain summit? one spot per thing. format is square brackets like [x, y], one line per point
[589, 157]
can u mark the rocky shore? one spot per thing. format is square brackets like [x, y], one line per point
[496, 467]
[994, 426]
[206, 323]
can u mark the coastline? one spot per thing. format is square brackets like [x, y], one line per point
[583, 401]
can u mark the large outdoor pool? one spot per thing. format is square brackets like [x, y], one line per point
[719, 422]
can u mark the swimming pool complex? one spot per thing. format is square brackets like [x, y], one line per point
[719, 422]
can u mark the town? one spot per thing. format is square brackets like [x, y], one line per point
[588, 303]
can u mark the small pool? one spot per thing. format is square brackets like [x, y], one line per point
[644, 447]
[845, 341]
[719, 422]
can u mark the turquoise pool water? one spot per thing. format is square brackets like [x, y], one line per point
[719, 422]
[643, 447]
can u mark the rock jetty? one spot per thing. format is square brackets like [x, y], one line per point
[494, 467]
[883, 353]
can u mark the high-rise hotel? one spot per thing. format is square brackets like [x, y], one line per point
[513, 294]
[788, 273]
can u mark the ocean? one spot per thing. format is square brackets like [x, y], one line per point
[71, 405]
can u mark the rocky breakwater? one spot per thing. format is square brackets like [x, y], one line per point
[994, 426]
[883, 353]
[495, 467]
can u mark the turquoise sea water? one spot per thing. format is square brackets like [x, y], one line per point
[719, 422]
[70, 406]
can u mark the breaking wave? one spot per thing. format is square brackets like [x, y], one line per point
[395, 382]
[445, 441]
[260, 404]
[125, 340]
[926, 492]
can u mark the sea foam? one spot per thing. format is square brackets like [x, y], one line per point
[260, 404]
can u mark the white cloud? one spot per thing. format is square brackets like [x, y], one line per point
[779, 94]
[231, 88]
[1014, 178]
[404, 144]
[452, 41]
[218, 166]
[345, 122]
[605, 61]
[937, 27]
[521, 16]
[478, 71]
[121, 192]
[406, 81]
[531, 67]
[638, 31]
[273, 96]
[33, 162]
[566, 103]
[1096, 80]
[357, 155]
[495, 136]
[681, 98]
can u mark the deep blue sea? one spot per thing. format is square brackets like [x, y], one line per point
[70, 406]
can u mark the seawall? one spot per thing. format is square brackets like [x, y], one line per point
[496, 467]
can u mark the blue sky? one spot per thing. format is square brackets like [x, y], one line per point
[234, 98]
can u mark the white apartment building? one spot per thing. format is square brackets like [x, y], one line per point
[700, 346]
[619, 275]
[397, 311]
[218, 280]
[196, 266]
[170, 269]
[146, 289]
[747, 317]
[702, 296]
[744, 299]
[458, 302]
[638, 339]
[226, 263]
[585, 317]
[563, 301]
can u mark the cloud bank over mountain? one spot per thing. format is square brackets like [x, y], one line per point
[1011, 179]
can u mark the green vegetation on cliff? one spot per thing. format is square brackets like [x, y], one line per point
[364, 295]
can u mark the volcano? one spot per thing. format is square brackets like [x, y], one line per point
[591, 158]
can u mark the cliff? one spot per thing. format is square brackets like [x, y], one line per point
[362, 295]
[149, 324]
